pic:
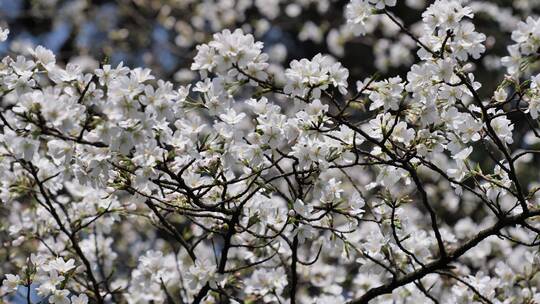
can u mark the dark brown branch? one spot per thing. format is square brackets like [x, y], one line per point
[443, 262]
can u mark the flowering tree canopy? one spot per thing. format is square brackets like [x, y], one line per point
[273, 181]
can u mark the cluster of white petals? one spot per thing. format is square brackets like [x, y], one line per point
[307, 78]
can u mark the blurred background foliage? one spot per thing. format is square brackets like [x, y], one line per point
[163, 34]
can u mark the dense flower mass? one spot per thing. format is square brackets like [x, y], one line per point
[273, 181]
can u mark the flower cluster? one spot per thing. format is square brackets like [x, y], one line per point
[308, 78]
[527, 43]
[358, 13]
[229, 50]
[446, 30]
[51, 276]
[532, 97]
